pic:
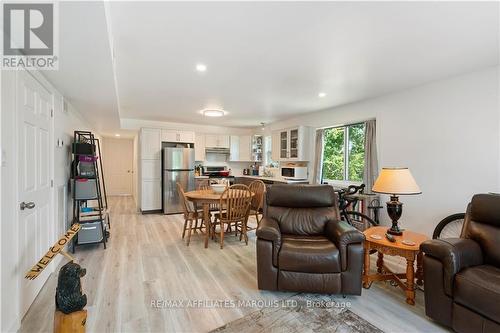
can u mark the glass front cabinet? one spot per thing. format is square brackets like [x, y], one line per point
[293, 143]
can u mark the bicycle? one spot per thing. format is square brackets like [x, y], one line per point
[357, 219]
[449, 227]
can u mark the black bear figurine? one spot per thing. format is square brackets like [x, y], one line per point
[69, 296]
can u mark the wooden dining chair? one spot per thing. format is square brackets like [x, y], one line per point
[205, 186]
[191, 216]
[236, 200]
[258, 188]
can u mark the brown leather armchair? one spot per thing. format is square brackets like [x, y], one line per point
[462, 275]
[302, 245]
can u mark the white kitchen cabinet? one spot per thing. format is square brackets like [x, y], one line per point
[150, 195]
[151, 169]
[168, 135]
[199, 147]
[224, 141]
[291, 144]
[241, 148]
[211, 140]
[217, 141]
[245, 148]
[275, 146]
[150, 144]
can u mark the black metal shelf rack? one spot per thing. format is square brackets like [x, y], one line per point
[85, 144]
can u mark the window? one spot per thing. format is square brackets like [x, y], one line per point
[344, 153]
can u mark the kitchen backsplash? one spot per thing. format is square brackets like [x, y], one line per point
[220, 160]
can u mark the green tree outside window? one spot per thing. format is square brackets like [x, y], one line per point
[343, 153]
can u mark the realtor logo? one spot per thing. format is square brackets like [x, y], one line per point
[29, 36]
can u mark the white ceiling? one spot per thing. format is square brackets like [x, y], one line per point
[266, 61]
[85, 75]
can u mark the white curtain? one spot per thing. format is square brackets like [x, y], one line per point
[318, 157]
[370, 173]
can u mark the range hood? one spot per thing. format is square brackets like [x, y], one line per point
[217, 150]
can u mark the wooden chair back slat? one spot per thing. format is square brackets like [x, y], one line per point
[187, 206]
[236, 199]
[258, 188]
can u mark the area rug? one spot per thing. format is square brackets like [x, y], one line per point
[302, 313]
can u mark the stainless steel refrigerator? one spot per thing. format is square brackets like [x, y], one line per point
[178, 167]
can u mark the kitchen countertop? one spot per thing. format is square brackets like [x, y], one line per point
[272, 179]
[277, 179]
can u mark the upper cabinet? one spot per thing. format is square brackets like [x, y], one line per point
[168, 135]
[241, 148]
[291, 144]
[150, 143]
[199, 147]
[275, 146]
[217, 141]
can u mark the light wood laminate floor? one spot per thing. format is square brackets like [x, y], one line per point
[146, 260]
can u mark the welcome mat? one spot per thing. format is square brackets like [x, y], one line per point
[302, 313]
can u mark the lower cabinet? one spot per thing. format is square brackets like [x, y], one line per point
[150, 195]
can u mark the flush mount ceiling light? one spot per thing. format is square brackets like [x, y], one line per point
[117, 135]
[212, 113]
[321, 94]
[201, 67]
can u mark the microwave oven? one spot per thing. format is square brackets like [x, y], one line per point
[294, 173]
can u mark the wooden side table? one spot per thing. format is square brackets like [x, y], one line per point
[384, 247]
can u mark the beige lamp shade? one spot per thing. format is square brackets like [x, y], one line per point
[397, 181]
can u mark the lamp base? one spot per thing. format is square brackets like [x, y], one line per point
[394, 209]
[395, 232]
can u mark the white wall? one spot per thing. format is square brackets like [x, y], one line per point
[64, 125]
[446, 132]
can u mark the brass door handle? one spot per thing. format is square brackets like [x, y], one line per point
[28, 205]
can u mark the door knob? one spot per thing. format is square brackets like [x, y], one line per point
[29, 205]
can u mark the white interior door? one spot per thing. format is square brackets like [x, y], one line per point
[34, 105]
[118, 159]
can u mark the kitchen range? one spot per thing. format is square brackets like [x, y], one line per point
[213, 172]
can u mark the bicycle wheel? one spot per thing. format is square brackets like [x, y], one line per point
[359, 220]
[449, 227]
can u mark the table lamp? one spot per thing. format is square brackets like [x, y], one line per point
[395, 181]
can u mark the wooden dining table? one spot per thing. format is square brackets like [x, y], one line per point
[205, 198]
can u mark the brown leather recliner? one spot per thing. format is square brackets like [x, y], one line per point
[302, 245]
[462, 275]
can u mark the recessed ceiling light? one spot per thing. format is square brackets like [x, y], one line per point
[213, 113]
[321, 94]
[201, 67]
[117, 135]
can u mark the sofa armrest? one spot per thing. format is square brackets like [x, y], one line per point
[454, 254]
[269, 229]
[343, 234]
